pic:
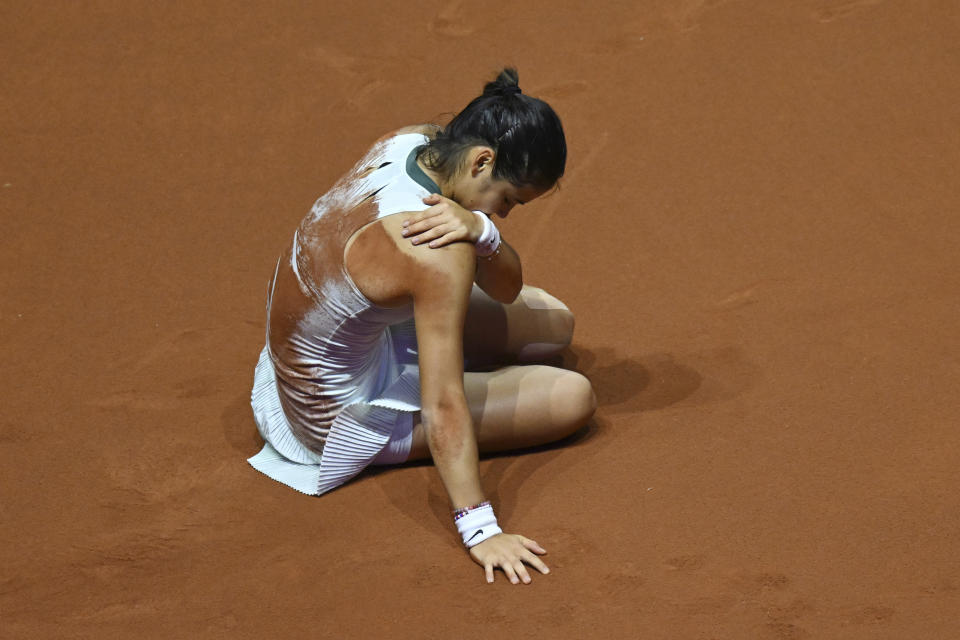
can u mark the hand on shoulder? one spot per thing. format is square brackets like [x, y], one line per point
[443, 223]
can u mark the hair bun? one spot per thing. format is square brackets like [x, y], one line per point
[506, 84]
[525, 133]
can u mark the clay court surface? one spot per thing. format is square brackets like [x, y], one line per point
[758, 232]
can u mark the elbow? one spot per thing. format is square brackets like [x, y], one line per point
[448, 426]
[446, 410]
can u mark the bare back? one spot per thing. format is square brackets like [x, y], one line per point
[329, 323]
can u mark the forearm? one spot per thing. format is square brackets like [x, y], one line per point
[501, 275]
[453, 446]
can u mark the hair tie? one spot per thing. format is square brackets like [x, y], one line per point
[511, 90]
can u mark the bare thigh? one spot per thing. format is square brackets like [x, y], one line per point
[534, 328]
[520, 406]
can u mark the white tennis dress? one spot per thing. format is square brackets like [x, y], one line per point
[338, 383]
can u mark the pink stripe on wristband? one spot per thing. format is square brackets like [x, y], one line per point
[462, 511]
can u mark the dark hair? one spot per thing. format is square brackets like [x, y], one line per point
[524, 132]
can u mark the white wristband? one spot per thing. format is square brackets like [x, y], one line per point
[478, 525]
[489, 240]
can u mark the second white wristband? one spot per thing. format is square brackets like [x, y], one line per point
[489, 240]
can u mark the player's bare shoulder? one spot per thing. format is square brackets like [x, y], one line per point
[392, 271]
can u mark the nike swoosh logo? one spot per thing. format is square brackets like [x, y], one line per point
[479, 531]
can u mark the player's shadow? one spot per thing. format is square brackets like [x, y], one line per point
[626, 385]
[239, 428]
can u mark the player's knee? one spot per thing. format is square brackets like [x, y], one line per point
[587, 399]
[576, 399]
[563, 323]
[557, 330]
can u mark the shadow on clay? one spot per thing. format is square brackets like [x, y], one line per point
[661, 380]
[239, 428]
[505, 472]
[625, 385]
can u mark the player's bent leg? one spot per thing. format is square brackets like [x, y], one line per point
[520, 406]
[535, 327]
[543, 325]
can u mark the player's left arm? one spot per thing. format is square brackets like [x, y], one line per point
[501, 275]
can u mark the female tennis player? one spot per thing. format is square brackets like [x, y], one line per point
[399, 327]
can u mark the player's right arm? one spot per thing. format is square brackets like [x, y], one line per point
[391, 271]
[439, 283]
[440, 288]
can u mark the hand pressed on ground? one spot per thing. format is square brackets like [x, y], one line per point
[509, 552]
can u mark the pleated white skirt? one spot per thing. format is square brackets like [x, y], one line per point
[378, 431]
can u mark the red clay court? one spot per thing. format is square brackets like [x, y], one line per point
[758, 232]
